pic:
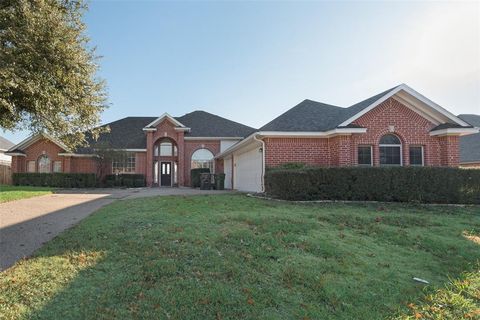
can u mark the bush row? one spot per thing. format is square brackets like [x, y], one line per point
[125, 180]
[58, 180]
[401, 184]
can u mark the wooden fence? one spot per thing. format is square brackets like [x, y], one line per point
[5, 172]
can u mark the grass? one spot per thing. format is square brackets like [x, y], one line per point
[10, 193]
[233, 257]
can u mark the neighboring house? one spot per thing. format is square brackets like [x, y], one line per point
[398, 127]
[4, 146]
[470, 145]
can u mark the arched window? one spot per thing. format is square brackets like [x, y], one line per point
[44, 164]
[390, 150]
[165, 148]
[202, 158]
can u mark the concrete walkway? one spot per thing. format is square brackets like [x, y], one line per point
[25, 225]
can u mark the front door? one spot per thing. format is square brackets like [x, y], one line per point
[166, 174]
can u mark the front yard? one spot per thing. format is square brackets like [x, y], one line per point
[231, 257]
[10, 193]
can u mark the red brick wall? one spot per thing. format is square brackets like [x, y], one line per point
[166, 129]
[409, 126]
[43, 146]
[307, 150]
[193, 145]
[84, 165]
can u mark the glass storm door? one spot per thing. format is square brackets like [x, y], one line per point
[166, 174]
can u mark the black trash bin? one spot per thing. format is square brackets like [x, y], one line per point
[205, 181]
[220, 181]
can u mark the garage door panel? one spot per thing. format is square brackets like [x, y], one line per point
[248, 171]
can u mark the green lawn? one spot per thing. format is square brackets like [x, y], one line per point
[10, 193]
[234, 257]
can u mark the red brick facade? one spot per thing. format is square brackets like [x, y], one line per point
[389, 117]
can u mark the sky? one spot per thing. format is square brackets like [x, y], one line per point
[252, 61]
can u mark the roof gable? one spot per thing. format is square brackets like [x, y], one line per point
[34, 138]
[164, 116]
[312, 116]
[410, 98]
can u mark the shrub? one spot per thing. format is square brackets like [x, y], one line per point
[195, 176]
[399, 184]
[125, 180]
[58, 180]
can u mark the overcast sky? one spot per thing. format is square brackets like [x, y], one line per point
[251, 61]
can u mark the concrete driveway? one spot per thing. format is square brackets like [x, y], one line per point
[25, 225]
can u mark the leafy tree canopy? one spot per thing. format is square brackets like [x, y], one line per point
[48, 70]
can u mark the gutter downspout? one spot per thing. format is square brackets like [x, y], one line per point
[263, 160]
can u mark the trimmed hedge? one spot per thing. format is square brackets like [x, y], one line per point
[58, 180]
[399, 184]
[195, 176]
[125, 180]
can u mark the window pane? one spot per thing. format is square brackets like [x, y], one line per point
[44, 164]
[389, 139]
[202, 158]
[57, 166]
[31, 166]
[365, 155]
[124, 163]
[155, 172]
[166, 149]
[416, 156]
[390, 156]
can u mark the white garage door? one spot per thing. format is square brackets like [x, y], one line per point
[248, 171]
[227, 167]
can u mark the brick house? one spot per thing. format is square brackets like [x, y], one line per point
[396, 127]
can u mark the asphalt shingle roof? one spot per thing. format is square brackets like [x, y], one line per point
[5, 144]
[127, 133]
[311, 115]
[470, 145]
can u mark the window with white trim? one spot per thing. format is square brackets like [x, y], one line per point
[44, 164]
[31, 166]
[390, 150]
[365, 156]
[57, 166]
[416, 156]
[202, 158]
[124, 163]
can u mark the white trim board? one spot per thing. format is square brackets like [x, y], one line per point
[454, 131]
[160, 119]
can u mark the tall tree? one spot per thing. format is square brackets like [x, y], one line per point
[48, 79]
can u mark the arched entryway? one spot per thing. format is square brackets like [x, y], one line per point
[165, 163]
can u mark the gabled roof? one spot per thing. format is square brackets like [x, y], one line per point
[154, 123]
[18, 148]
[312, 116]
[470, 145]
[5, 144]
[128, 133]
[204, 124]
[308, 115]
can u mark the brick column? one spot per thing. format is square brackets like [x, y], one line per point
[149, 160]
[181, 158]
[449, 151]
[344, 151]
[67, 164]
